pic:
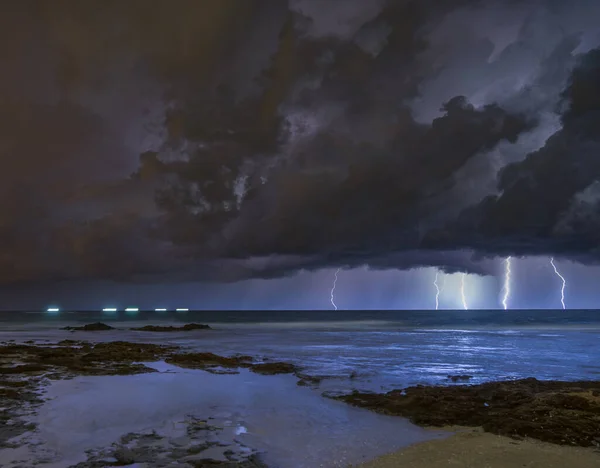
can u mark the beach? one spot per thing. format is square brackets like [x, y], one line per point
[473, 448]
[89, 405]
[161, 394]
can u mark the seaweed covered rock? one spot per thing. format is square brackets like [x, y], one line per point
[98, 326]
[113, 358]
[566, 413]
[160, 328]
[215, 363]
[207, 361]
[272, 368]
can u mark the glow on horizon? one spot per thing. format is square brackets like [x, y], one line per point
[462, 291]
[506, 283]
[160, 310]
[333, 289]
[182, 310]
[109, 309]
[53, 309]
[132, 309]
[564, 283]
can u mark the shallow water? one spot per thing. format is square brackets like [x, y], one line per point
[385, 359]
[295, 426]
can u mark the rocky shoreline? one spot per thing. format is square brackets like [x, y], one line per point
[562, 413]
[26, 369]
[99, 326]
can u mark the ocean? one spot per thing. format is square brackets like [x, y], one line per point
[365, 350]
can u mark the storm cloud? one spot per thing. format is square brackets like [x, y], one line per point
[228, 140]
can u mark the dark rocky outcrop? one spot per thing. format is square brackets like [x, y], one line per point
[207, 361]
[309, 380]
[186, 327]
[272, 368]
[113, 358]
[566, 413]
[456, 378]
[98, 326]
[215, 363]
[252, 462]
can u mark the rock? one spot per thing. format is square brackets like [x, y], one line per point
[186, 327]
[564, 413]
[456, 378]
[22, 369]
[251, 462]
[271, 368]
[308, 380]
[180, 441]
[98, 326]
[70, 343]
[205, 361]
[124, 456]
[223, 365]
[113, 358]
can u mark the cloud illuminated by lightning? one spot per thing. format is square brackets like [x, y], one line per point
[462, 291]
[564, 283]
[506, 283]
[333, 288]
[437, 291]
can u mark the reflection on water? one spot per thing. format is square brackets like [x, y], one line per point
[385, 359]
[294, 425]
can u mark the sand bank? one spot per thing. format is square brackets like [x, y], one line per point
[474, 448]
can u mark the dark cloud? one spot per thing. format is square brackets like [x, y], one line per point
[227, 140]
[548, 202]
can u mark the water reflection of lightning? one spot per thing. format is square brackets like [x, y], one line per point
[506, 283]
[437, 291]
[462, 291]
[333, 288]
[564, 283]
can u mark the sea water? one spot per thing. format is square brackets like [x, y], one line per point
[296, 426]
[367, 350]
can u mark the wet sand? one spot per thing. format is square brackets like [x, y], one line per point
[473, 448]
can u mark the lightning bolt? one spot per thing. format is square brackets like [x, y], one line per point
[437, 291]
[333, 288]
[506, 283]
[462, 291]
[564, 283]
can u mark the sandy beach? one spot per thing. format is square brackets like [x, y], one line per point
[473, 448]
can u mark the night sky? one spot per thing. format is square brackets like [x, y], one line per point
[237, 153]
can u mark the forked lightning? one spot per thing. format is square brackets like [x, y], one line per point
[564, 283]
[333, 288]
[506, 282]
[462, 291]
[437, 291]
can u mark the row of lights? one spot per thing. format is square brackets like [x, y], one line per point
[114, 309]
